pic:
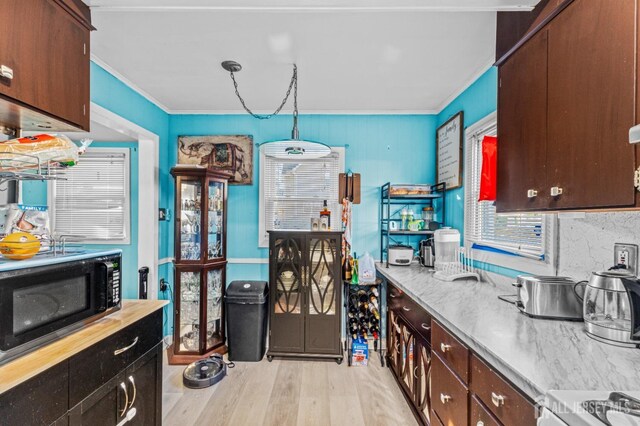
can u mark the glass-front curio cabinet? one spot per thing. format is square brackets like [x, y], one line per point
[200, 263]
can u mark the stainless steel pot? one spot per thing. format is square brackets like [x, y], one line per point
[549, 297]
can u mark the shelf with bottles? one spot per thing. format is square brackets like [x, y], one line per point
[364, 318]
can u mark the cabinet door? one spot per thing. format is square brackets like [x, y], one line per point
[144, 381]
[188, 304]
[408, 355]
[522, 128]
[214, 314]
[393, 342]
[189, 221]
[423, 379]
[48, 52]
[216, 218]
[286, 271]
[591, 104]
[107, 406]
[323, 291]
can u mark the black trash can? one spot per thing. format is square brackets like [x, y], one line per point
[247, 309]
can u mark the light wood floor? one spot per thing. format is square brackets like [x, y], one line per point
[288, 392]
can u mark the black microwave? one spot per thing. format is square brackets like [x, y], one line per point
[48, 297]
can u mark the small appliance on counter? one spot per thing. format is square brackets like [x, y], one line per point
[548, 297]
[612, 308]
[49, 296]
[427, 254]
[400, 255]
[590, 408]
[447, 241]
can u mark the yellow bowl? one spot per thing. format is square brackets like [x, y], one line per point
[19, 246]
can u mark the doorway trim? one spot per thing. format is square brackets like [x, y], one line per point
[148, 187]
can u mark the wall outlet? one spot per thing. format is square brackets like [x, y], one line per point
[627, 255]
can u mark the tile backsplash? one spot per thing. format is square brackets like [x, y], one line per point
[586, 240]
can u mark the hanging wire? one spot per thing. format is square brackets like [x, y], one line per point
[292, 84]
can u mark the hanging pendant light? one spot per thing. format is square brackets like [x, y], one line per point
[282, 148]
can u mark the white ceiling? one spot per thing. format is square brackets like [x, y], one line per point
[352, 55]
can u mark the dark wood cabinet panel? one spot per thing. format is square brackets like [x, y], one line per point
[449, 395]
[452, 351]
[48, 51]
[522, 128]
[423, 379]
[591, 104]
[567, 98]
[480, 415]
[305, 294]
[38, 401]
[506, 403]
[144, 380]
[102, 361]
[106, 406]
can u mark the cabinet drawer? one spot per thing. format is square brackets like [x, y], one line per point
[505, 402]
[480, 416]
[449, 396]
[412, 312]
[104, 360]
[451, 351]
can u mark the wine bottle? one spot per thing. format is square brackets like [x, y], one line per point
[354, 269]
[374, 291]
[374, 311]
[325, 215]
[373, 300]
[346, 269]
[374, 331]
[353, 321]
[362, 296]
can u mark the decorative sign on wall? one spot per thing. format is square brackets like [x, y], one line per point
[449, 151]
[232, 154]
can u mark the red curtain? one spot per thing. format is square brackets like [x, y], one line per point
[488, 177]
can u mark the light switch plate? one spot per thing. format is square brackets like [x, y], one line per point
[626, 254]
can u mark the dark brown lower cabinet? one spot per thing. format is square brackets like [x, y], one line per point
[117, 379]
[480, 415]
[409, 357]
[305, 294]
[450, 397]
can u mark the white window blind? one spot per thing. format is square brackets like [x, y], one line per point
[293, 191]
[521, 234]
[93, 202]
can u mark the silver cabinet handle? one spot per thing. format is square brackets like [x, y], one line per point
[555, 191]
[425, 326]
[126, 399]
[414, 372]
[126, 348]
[135, 391]
[6, 72]
[480, 423]
[444, 398]
[404, 308]
[532, 193]
[445, 348]
[496, 399]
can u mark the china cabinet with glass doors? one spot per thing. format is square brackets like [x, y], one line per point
[305, 291]
[200, 263]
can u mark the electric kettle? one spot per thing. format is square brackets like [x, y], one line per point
[611, 307]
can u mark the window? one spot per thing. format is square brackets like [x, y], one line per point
[93, 202]
[292, 191]
[518, 241]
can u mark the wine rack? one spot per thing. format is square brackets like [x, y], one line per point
[364, 317]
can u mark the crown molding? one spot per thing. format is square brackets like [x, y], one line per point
[129, 83]
[307, 112]
[474, 77]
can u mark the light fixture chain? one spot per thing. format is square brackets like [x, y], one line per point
[293, 83]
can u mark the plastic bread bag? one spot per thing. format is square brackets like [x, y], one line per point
[31, 219]
[367, 269]
[41, 150]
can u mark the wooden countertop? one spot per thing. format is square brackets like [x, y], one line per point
[30, 365]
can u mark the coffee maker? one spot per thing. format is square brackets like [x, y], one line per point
[427, 253]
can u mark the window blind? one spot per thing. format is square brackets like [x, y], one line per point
[522, 234]
[294, 190]
[93, 202]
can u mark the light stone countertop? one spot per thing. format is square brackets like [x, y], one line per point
[536, 355]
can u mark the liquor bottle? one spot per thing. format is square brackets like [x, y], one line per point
[374, 331]
[354, 269]
[373, 300]
[325, 215]
[374, 311]
[346, 269]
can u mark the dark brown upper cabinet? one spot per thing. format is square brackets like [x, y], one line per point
[44, 55]
[567, 98]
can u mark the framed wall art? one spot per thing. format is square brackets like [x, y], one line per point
[231, 153]
[449, 151]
